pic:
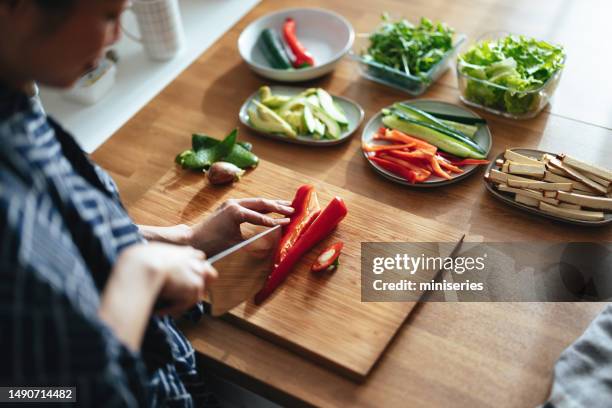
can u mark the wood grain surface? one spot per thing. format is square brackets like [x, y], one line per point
[321, 316]
[477, 355]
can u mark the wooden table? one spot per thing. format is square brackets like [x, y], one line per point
[446, 354]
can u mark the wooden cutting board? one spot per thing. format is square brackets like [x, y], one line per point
[321, 317]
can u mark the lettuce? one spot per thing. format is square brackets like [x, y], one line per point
[502, 73]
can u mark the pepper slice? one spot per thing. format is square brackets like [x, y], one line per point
[322, 226]
[328, 259]
[302, 57]
[306, 208]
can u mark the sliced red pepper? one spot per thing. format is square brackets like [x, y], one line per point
[419, 168]
[395, 168]
[302, 57]
[322, 226]
[397, 136]
[456, 161]
[306, 208]
[466, 162]
[379, 148]
[448, 166]
[327, 260]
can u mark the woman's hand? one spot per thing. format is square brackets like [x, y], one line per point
[221, 229]
[143, 273]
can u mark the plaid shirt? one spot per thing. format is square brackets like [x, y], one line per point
[62, 227]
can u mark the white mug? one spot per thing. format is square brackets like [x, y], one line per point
[160, 25]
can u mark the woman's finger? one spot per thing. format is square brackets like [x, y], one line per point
[254, 217]
[265, 205]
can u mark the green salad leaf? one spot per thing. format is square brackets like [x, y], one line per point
[517, 64]
[411, 49]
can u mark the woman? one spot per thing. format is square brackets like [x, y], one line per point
[85, 295]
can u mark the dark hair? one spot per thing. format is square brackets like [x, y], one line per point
[55, 6]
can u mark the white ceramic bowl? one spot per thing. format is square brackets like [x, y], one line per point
[326, 35]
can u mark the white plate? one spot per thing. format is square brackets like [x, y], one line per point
[482, 137]
[354, 114]
[326, 35]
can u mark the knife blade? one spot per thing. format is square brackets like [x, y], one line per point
[243, 269]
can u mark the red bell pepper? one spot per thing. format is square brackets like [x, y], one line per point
[420, 169]
[328, 259]
[466, 162]
[302, 57]
[322, 226]
[395, 168]
[306, 208]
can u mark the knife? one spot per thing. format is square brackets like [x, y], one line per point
[427, 294]
[243, 269]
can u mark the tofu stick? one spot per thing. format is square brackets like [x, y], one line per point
[576, 175]
[605, 174]
[519, 158]
[572, 214]
[598, 203]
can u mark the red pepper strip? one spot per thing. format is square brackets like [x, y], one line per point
[421, 173]
[327, 258]
[448, 166]
[415, 155]
[396, 135]
[325, 223]
[466, 162]
[379, 148]
[396, 168]
[435, 165]
[302, 57]
[306, 207]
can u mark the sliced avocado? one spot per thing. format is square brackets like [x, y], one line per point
[309, 120]
[266, 120]
[265, 92]
[332, 129]
[271, 101]
[275, 101]
[327, 103]
[294, 103]
[295, 119]
[319, 129]
[312, 99]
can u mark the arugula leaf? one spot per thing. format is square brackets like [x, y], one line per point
[408, 48]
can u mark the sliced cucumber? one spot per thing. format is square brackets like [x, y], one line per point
[332, 128]
[459, 119]
[327, 103]
[431, 135]
[460, 137]
[423, 116]
[469, 130]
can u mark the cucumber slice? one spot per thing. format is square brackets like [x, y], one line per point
[459, 119]
[459, 137]
[309, 120]
[423, 116]
[469, 130]
[327, 103]
[332, 128]
[431, 135]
